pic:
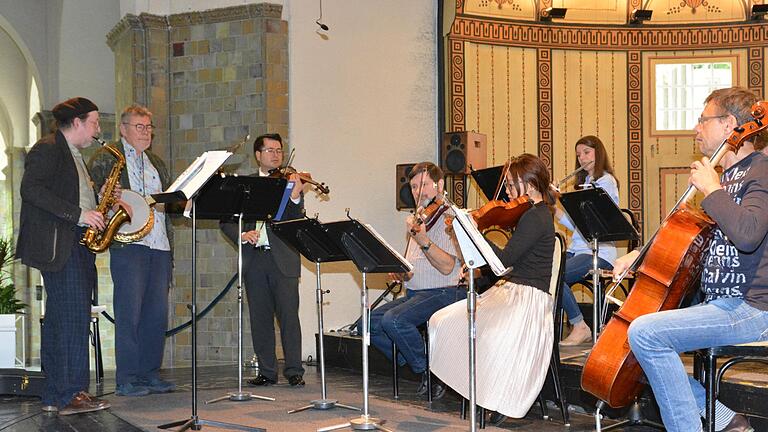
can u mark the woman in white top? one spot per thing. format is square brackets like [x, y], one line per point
[596, 172]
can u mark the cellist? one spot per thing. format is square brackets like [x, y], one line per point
[734, 279]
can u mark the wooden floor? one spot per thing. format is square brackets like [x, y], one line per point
[23, 414]
[745, 385]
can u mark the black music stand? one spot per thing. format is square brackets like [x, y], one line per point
[371, 254]
[309, 238]
[223, 196]
[598, 219]
[487, 179]
[247, 198]
[476, 253]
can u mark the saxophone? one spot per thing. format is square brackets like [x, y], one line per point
[97, 241]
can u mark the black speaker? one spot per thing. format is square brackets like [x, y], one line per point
[403, 195]
[462, 149]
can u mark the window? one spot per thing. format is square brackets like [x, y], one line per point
[680, 90]
[34, 108]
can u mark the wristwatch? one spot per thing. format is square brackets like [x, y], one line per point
[426, 246]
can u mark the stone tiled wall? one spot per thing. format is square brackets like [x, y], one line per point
[210, 78]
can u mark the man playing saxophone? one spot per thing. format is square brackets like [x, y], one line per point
[141, 270]
[57, 204]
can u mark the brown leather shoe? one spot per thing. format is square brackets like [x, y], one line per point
[739, 423]
[83, 403]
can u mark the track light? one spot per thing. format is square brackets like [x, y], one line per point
[551, 13]
[639, 15]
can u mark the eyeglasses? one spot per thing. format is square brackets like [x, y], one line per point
[142, 127]
[272, 150]
[704, 119]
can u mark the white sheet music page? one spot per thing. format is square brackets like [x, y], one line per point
[474, 245]
[198, 172]
[389, 247]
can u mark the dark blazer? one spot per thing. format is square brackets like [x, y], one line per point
[50, 205]
[286, 257]
[100, 165]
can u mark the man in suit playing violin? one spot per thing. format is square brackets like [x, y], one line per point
[271, 272]
[734, 279]
[431, 285]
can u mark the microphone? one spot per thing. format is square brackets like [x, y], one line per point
[322, 26]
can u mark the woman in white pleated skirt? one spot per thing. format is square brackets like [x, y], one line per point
[514, 318]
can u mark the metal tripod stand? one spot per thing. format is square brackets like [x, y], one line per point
[365, 421]
[239, 395]
[323, 403]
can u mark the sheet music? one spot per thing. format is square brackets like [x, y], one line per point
[198, 173]
[463, 225]
[389, 247]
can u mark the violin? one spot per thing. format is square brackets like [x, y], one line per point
[287, 171]
[500, 213]
[428, 214]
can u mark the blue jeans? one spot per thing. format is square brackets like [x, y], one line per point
[658, 338]
[141, 277]
[398, 321]
[576, 268]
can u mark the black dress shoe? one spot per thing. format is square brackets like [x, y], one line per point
[739, 423]
[497, 418]
[296, 381]
[261, 380]
[438, 388]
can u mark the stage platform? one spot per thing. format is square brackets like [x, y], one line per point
[745, 390]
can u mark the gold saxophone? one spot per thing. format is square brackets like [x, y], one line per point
[97, 241]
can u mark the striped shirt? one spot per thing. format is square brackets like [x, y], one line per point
[425, 276]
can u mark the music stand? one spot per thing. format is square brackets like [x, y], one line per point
[208, 196]
[309, 238]
[371, 254]
[487, 179]
[598, 219]
[477, 253]
[248, 198]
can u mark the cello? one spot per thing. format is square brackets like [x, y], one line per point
[667, 269]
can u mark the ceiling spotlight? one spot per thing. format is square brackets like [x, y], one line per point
[759, 11]
[319, 21]
[551, 13]
[639, 15]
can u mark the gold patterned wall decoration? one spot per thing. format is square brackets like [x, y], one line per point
[618, 38]
[595, 12]
[511, 9]
[544, 80]
[696, 11]
[756, 70]
[457, 86]
[589, 98]
[635, 133]
[584, 79]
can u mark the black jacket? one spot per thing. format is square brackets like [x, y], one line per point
[286, 256]
[50, 205]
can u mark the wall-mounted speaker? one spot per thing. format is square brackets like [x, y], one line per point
[403, 195]
[462, 149]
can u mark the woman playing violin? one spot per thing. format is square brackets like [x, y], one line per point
[514, 318]
[596, 171]
[734, 279]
